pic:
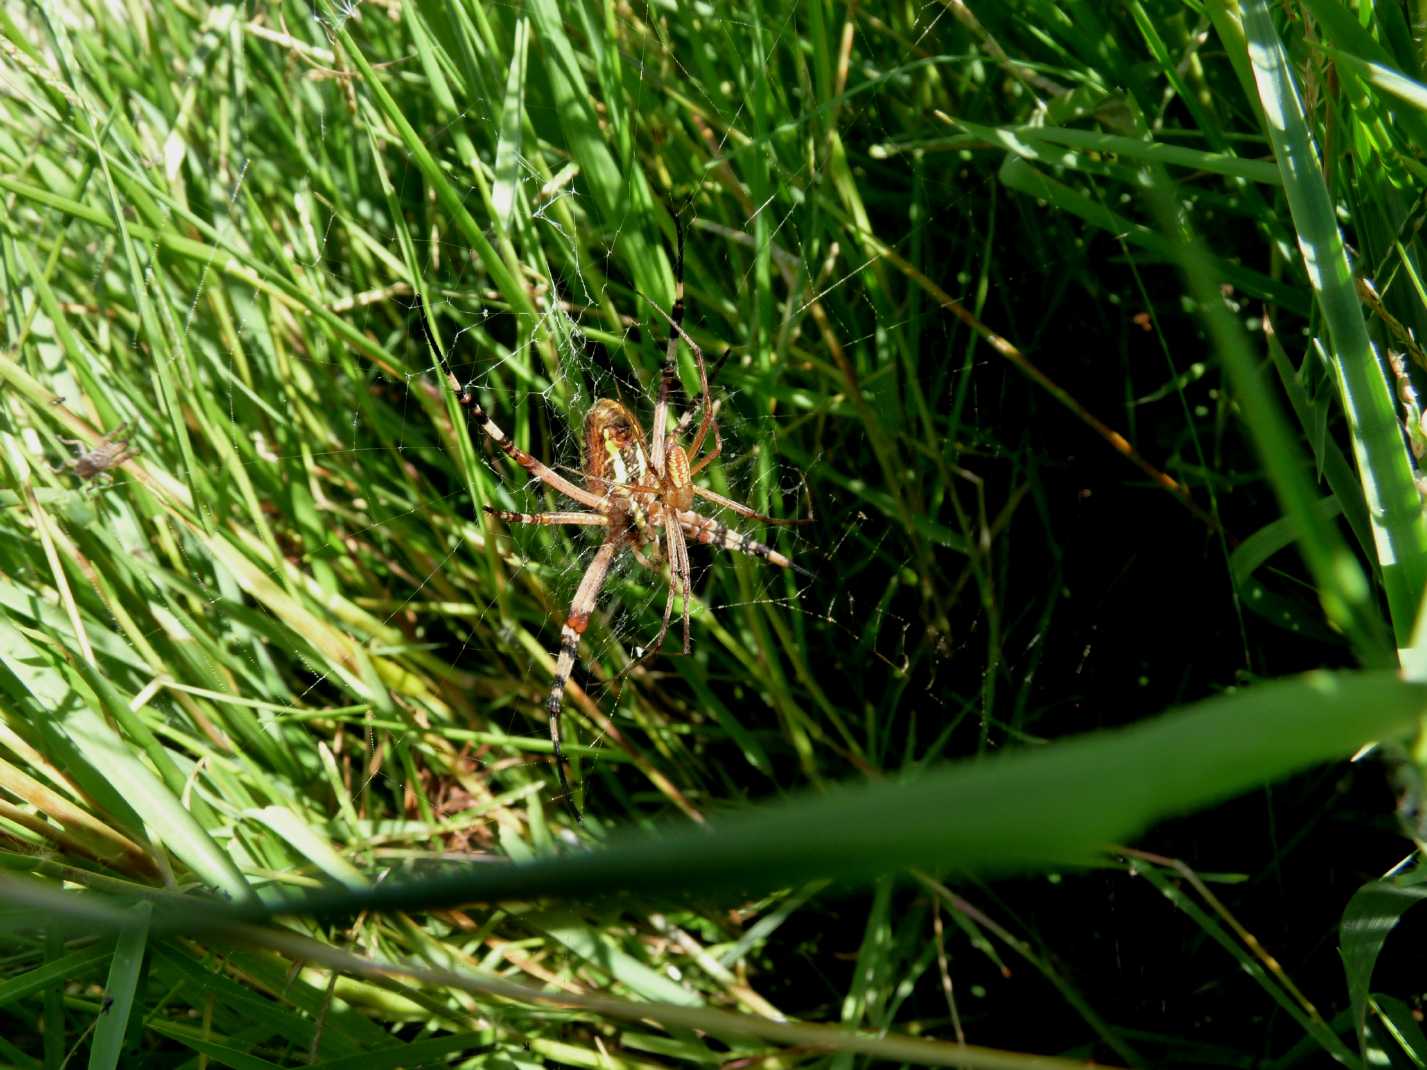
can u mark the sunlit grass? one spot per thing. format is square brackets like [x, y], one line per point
[953, 268]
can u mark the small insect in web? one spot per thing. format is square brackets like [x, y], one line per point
[111, 451]
[641, 492]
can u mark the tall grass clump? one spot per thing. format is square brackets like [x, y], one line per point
[1084, 338]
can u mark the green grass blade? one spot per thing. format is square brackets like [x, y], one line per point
[66, 968]
[1371, 914]
[619, 188]
[1394, 503]
[1062, 805]
[121, 990]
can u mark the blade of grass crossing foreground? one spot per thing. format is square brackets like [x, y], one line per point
[1034, 809]
[1394, 502]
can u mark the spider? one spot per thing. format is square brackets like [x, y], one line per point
[112, 451]
[641, 494]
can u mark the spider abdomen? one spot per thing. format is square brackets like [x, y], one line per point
[614, 448]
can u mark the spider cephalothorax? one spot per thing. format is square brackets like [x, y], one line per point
[641, 494]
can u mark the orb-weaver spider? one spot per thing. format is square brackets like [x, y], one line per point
[643, 496]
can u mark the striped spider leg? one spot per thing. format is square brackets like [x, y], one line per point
[642, 496]
[605, 511]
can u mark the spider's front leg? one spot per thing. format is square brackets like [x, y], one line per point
[466, 398]
[592, 520]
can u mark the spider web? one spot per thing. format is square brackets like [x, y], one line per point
[551, 412]
[538, 378]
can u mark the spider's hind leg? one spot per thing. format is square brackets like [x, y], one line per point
[711, 532]
[581, 606]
